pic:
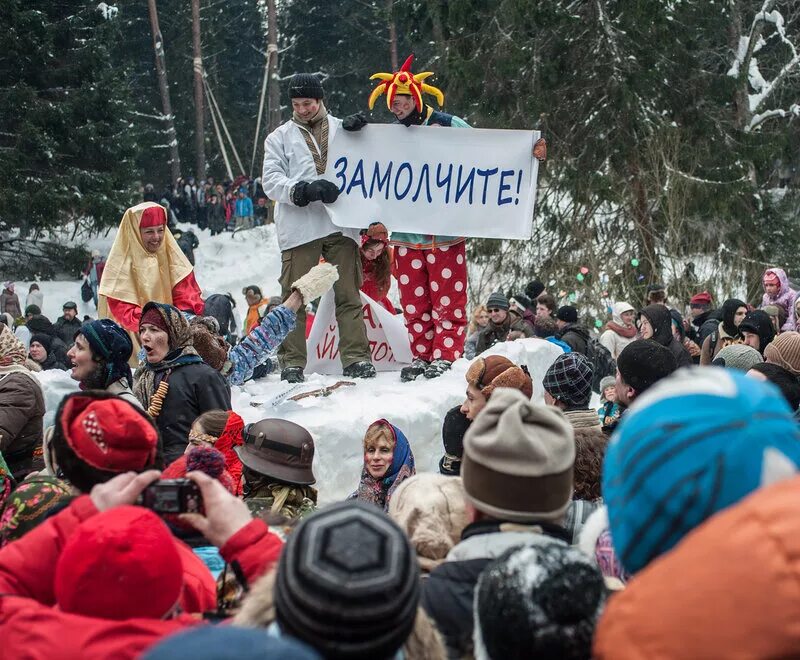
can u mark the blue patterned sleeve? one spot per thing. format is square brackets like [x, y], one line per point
[262, 341]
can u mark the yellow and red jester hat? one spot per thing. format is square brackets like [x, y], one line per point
[406, 83]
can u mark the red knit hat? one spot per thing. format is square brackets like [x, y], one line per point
[153, 216]
[108, 434]
[703, 298]
[771, 278]
[120, 564]
[154, 317]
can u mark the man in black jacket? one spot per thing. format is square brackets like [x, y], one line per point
[67, 325]
[517, 474]
[576, 337]
[504, 325]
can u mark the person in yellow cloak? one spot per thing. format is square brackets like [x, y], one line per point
[145, 264]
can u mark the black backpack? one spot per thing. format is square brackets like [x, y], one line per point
[602, 363]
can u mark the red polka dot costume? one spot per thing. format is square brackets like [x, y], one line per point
[433, 294]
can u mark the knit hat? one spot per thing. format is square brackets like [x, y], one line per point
[784, 351]
[279, 449]
[497, 301]
[29, 504]
[495, 371]
[154, 317]
[45, 340]
[153, 216]
[696, 443]
[32, 310]
[538, 601]
[607, 381]
[568, 314]
[518, 460]
[656, 287]
[119, 564]
[534, 289]
[521, 300]
[738, 356]
[109, 341]
[377, 232]
[643, 362]
[208, 460]
[305, 86]
[569, 380]
[701, 299]
[348, 583]
[431, 510]
[454, 427]
[214, 642]
[108, 434]
[39, 323]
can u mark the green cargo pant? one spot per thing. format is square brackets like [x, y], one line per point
[342, 252]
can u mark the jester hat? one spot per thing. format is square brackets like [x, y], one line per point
[406, 83]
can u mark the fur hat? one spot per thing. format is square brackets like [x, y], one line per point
[495, 371]
[666, 472]
[518, 460]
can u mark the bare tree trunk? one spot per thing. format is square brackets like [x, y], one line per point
[199, 131]
[163, 87]
[435, 10]
[392, 34]
[274, 99]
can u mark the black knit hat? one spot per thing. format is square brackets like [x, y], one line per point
[305, 86]
[44, 339]
[542, 600]
[643, 362]
[348, 583]
[534, 289]
[497, 301]
[568, 314]
[453, 429]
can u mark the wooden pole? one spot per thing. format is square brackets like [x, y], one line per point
[199, 131]
[163, 87]
[274, 104]
[392, 35]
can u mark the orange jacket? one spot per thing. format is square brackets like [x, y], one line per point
[730, 589]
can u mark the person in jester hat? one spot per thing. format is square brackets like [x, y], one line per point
[431, 270]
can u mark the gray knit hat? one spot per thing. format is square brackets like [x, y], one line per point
[348, 583]
[738, 356]
[497, 301]
[518, 459]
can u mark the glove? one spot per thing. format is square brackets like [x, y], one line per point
[317, 281]
[322, 191]
[354, 122]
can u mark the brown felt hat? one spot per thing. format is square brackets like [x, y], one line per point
[279, 449]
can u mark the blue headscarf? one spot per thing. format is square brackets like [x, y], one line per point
[110, 342]
[380, 491]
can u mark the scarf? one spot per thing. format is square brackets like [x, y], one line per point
[318, 127]
[627, 331]
[181, 353]
[232, 437]
[380, 491]
[12, 350]
[29, 505]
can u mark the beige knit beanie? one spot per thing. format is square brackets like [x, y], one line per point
[431, 510]
[784, 351]
[518, 460]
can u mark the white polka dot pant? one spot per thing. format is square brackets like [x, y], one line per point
[433, 294]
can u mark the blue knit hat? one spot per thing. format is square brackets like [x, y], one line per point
[111, 343]
[696, 443]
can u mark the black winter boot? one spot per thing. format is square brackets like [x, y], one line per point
[413, 371]
[293, 375]
[363, 369]
[437, 368]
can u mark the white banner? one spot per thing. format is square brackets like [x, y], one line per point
[386, 333]
[421, 179]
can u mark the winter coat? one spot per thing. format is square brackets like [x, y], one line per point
[31, 627]
[785, 298]
[123, 391]
[220, 307]
[448, 594]
[617, 335]
[188, 242]
[9, 304]
[728, 590]
[493, 334]
[21, 412]
[216, 217]
[100, 266]
[661, 321]
[244, 207]
[193, 389]
[66, 329]
[288, 161]
[34, 298]
[576, 337]
[471, 345]
[711, 349]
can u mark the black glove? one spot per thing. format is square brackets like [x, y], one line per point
[354, 122]
[322, 191]
[299, 195]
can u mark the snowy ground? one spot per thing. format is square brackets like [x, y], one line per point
[337, 422]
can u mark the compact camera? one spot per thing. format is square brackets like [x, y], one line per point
[172, 496]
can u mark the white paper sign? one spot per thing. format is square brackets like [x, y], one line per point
[386, 333]
[430, 180]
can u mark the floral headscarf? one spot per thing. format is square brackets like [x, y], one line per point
[380, 491]
[29, 504]
[12, 350]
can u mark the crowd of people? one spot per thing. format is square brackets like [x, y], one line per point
[550, 529]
